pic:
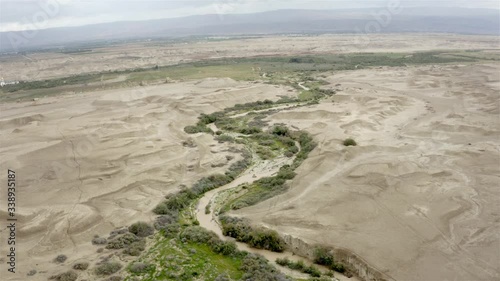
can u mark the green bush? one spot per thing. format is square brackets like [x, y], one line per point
[140, 267]
[224, 138]
[323, 256]
[108, 268]
[349, 142]
[141, 229]
[260, 238]
[66, 276]
[283, 261]
[300, 266]
[197, 129]
[135, 248]
[60, 258]
[257, 268]
[164, 220]
[197, 234]
[81, 266]
[171, 230]
[99, 241]
[226, 248]
[280, 130]
[122, 241]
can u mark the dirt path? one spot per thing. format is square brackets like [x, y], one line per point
[301, 84]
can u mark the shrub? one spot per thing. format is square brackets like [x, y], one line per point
[135, 248]
[256, 267]
[197, 234]
[114, 278]
[81, 266]
[99, 241]
[171, 230]
[260, 238]
[32, 272]
[224, 138]
[162, 221]
[225, 248]
[222, 277]
[197, 129]
[60, 259]
[119, 231]
[122, 241]
[108, 268]
[283, 261]
[349, 142]
[266, 239]
[299, 265]
[323, 256]
[280, 130]
[66, 276]
[250, 130]
[338, 267]
[313, 271]
[141, 229]
[140, 267]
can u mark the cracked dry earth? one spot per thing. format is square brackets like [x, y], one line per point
[419, 197]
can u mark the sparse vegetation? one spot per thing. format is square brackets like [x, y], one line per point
[99, 241]
[66, 276]
[299, 266]
[81, 266]
[324, 256]
[141, 229]
[60, 258]
[349, 142]
[260, 238]
[108, 268]
[140, 267]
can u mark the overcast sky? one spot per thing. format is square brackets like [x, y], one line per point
[16, 15]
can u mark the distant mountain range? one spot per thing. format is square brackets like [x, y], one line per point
[423, 20]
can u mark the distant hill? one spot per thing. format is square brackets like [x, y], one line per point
[431, 20]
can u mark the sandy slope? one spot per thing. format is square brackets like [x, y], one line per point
[89, 163]
[418, 198]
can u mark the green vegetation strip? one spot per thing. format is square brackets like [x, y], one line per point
[279, 70]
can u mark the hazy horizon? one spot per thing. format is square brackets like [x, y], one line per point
[37, 15]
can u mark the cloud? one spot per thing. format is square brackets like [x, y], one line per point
[16, 15]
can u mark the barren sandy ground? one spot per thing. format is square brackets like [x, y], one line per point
[48, 65]
[419, 197]
[87, 164]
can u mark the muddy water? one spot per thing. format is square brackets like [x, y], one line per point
[209, 221]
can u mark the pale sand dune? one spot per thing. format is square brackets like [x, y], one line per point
[418, 198]
[89, 163]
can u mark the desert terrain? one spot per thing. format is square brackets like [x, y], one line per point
[417, 198]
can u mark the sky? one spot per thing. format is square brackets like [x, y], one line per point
[18, 15]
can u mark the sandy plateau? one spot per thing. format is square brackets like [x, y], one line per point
[417, 199]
